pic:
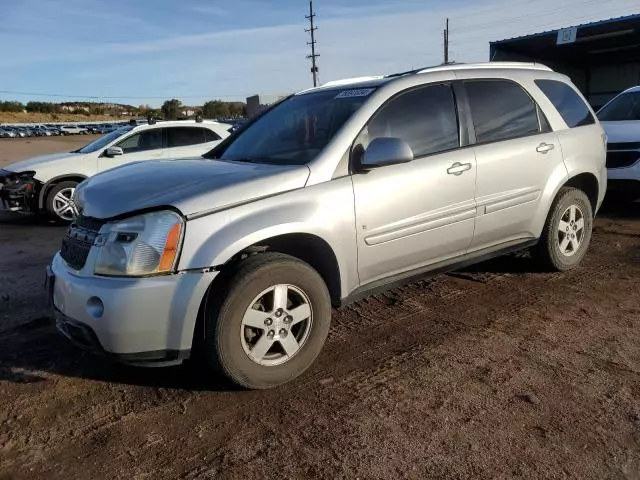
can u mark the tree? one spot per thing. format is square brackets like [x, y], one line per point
[171, 109]
[215, 109]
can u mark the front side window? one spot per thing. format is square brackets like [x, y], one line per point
[104, 140]
[623, 107]
[424, 117]
[185, 136]
[295, 131]
[143, 141]
[570, 106]
[501, 110]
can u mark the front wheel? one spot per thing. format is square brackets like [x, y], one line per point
[567, 232]
[271, 323]
[59, 205]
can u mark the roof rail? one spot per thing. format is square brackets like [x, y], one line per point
[470, 66]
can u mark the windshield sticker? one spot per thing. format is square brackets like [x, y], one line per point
[361, 92]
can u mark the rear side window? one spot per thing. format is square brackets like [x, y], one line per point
[184, 136]
[425, 118]
[570, 106]
[501, 110]
[210, 136]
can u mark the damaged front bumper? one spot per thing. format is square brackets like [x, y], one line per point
[18, 192]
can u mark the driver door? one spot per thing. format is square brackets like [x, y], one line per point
[422, 212]
[145, 145]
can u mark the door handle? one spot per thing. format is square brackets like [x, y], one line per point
[458, 168]
[545, 147]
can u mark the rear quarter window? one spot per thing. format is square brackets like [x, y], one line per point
[570, 106]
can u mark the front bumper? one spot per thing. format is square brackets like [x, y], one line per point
[142, 321]
[18, 192]
[625, 181]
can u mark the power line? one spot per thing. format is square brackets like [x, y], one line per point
[482, 26]
[549, 26]
[314, 55]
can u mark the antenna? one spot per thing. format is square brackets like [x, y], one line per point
[314, 55]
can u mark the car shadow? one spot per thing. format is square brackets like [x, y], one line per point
[619, 210]
[32, 351]
[19, 220]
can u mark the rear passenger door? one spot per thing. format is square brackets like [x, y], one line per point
[516, 154]
[190, 141]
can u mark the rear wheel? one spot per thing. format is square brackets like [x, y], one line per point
[59, 204]
[567, 233]
[271, 322]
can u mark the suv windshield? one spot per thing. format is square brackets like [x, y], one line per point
[297, 130]
[623, 107]
[104, 140]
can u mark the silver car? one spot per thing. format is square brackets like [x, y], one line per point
[332, 194]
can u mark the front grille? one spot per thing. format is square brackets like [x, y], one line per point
[622, 159]
[77, 243]
[89, 223]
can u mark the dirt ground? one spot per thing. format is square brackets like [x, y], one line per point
[499, 371]
[14, 149]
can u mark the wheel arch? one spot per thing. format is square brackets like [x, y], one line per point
[46, 187]
[588, 183]
[308, 247]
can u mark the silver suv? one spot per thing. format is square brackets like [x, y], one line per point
[329, 195]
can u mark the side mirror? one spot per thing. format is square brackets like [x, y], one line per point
[385, 151]
[113, 152]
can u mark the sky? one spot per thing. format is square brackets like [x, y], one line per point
[146, 51]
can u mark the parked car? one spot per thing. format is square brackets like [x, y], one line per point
[54, 129]
[46, 184]
[620, 119]
[72, 130]
[331, 194]
[7, 133]
[24, 132]
[42, 131]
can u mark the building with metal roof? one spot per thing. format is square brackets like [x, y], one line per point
[602, 58]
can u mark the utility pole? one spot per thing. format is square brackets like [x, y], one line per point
[314, 55]
[446, 43]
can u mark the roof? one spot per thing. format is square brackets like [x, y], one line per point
[179, 123]
[378, 80]
[610, 41]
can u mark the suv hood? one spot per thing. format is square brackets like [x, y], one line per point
[621, 132]
[190, 185]
[44, 162]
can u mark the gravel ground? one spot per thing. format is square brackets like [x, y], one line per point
[499, 371]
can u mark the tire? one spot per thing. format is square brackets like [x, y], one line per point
[54, 203]
[557, 249]
[229, 343]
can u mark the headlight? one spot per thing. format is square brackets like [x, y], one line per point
[146, 244]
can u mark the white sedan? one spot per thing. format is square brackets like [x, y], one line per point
[46, 184]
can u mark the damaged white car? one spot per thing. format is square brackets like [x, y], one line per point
[46, 184]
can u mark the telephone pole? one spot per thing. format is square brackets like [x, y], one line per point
[314, 55]
[446, 43]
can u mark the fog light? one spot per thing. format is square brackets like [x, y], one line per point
[95, 307]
